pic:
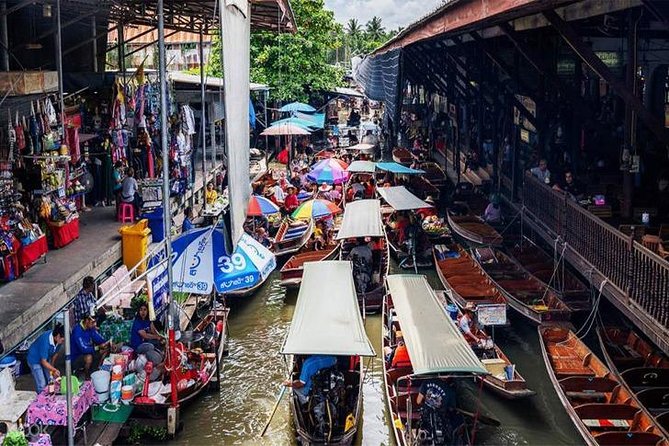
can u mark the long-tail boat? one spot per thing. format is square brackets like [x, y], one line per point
[292, 270]
[474, 229]
[643, 369]
[437, 352]
[496, 362]
[433, 173]
[328, 323]
[402, 156]
[541, 265]
[462, 275]
[292, 236]
[602, 409]
[525, 294]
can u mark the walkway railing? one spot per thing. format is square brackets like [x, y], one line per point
[640, 274]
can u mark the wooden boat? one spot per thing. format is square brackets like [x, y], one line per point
[540, 264]
[402, 156]
[412, 307]
[433, 173]
[462, 275]
[362, 219]
[328, 324]
[474, 229]
[423, 187]
[292, 236]
[641, 368]
[525, 294]
[496, 362]
[291, 272]
[603, 410]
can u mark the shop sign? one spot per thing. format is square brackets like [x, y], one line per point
[158, 278]
[490, 315]
[525, 136]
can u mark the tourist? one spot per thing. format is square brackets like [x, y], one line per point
[278, 195]
[335, 193]
[541, 172]
[399, 357]
[210, 195]
[291, 202]
[260, 235]
[84, 302]
[362, 257]
[310, 367]
[319, 236]
[130, 191]
[493, 212]
[41, 356]
[87, 343]
[438, 398]
[570, 186]
[324, 191]
[143, 329]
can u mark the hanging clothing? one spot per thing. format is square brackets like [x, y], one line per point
[72, 141]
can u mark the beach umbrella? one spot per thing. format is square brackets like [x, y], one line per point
[316, 209]
[297, 107]
[259, 205]
[309, 125]
[329, 170]
[201, 262]
[285, 128]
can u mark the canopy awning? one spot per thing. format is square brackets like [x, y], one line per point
[343, 91]
[398, 168]
[299, 122]
[327, 323]
[361, 219]
[317, 119]
[434, 343]
[360, 166]
[400, 199]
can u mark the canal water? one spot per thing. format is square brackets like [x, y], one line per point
[254, 370]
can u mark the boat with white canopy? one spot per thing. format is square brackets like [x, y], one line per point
[408, 242]
[327, 326]
[437, 355]
[362, 240]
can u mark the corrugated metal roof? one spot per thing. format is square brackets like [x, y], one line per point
[141, 35]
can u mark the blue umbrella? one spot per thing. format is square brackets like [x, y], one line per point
[297, 107]
[200, 262]
[298, 122]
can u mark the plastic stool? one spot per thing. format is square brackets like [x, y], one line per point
[126, 213]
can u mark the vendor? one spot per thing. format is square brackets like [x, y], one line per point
[210, 195]
[42, 355]
[130, 190]
[143, 329]
[87, 343]
[291, 202]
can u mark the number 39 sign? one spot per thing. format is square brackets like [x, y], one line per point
[228, 264]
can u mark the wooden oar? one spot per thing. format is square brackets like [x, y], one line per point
[482, 418]
[276, 406]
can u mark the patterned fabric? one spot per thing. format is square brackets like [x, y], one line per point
[51, 410]
[82, 305]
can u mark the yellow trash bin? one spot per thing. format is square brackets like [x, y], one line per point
[135, 242]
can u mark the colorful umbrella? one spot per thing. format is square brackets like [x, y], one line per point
[329, 170]
[261, 206]
[297, 107]
[316, 209]
[285, 128]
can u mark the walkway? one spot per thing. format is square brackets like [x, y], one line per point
[46, 288]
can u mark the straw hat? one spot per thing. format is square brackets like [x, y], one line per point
[325, 187]
[471, 306]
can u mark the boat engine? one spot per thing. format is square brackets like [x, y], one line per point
[329, 392]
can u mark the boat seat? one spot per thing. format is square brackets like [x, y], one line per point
[565, 362]
[393, 374]
[656, 399]
[602, 416]
[627, 438]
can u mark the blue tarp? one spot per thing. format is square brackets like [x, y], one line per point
[317, 119]
[297, 107]
[379, 77]
[298, 122]
[398, 169]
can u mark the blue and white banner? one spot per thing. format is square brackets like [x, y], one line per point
[200, 262]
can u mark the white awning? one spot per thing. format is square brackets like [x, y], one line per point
[210, 81]
[434, 343]
[359, 166]
[327, 323]
[400, 199]
[361, 219]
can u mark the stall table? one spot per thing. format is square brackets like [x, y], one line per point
[51, 410]
[14, 408]
[29, 254]
[65, 234]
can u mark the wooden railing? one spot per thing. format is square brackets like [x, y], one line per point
[640, 274]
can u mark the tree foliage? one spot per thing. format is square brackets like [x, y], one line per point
[359, 39]
[294, 65]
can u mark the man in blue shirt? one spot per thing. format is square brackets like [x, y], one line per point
[41, 356]
[310, 367]
[86, 342]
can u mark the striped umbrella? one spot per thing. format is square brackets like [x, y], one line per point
[316, 209]
[330, 171]
[261, 206]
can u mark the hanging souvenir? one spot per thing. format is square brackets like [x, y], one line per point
[50, 112]
[34, 131]
[12, 138]
[20, 136]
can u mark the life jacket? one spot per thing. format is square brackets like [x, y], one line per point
[401, 357]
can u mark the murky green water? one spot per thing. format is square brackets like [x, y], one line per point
[254, 369]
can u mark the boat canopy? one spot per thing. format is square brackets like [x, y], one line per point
[327, 323]
[362, 218]
[398, 169]
[360, 166]
[400, 199]
[434, 342]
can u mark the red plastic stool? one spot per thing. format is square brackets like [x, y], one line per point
[126, 213]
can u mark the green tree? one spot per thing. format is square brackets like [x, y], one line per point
[294, 65]
[374, 30]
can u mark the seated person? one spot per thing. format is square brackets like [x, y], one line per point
[147, 352]
[469, 328]
[261, 237]
[143, 329]
[541, 172]
[399, 356]
[318, 236]
[291, 202]
[130, 191]
[571, 186]
[362, 257]
[210, 195]
[438, 397]
[42, 354]
[87, 343]
[493, 213]
[189, 220]
[310, 367]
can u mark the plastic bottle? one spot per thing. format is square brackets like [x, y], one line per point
[52, 385]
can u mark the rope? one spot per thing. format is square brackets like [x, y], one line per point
[592, 317]
[555, 267]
